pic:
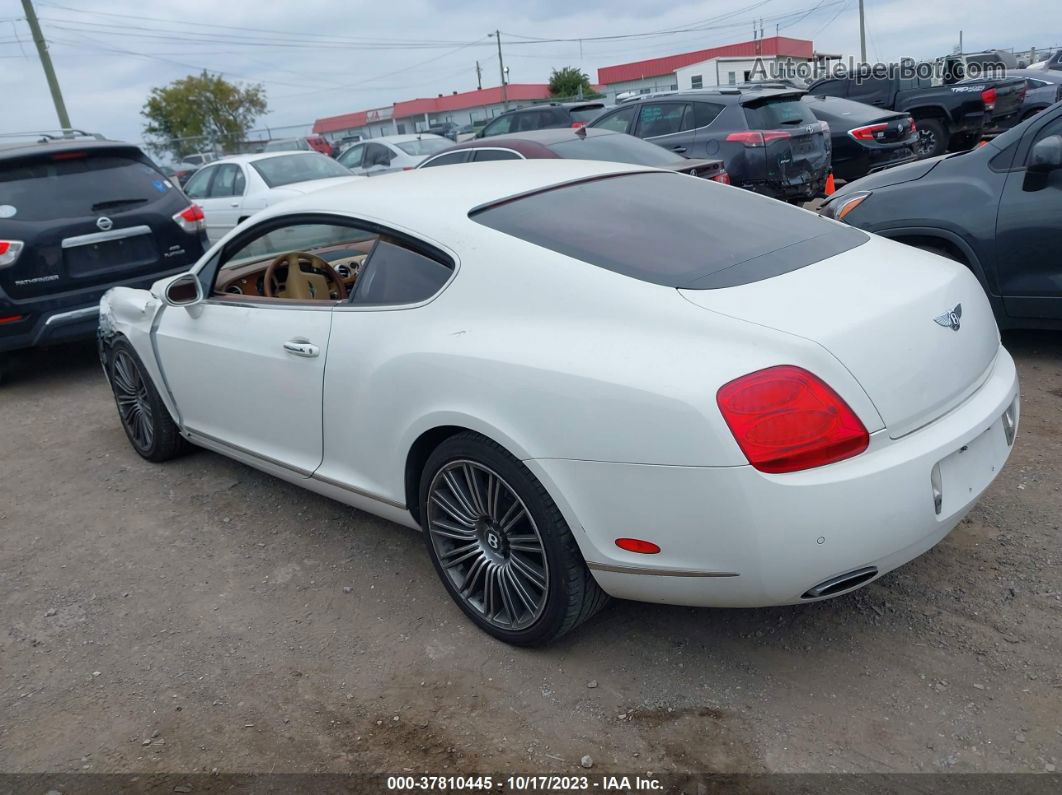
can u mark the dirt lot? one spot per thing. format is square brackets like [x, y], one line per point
[201, 615]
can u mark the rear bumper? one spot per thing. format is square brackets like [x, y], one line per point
[54, 319]
[736, 537]
[870, 161]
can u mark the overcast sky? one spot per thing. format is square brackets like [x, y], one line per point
[323, 57]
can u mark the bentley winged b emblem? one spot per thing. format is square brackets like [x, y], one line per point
[950, 319]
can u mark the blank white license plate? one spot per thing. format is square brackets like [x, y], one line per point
[967, 472]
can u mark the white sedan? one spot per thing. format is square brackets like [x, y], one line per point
[390, 153]
[583, 379]
[235, 188]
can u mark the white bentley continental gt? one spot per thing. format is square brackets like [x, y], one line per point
[584, 379]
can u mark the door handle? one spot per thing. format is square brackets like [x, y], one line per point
[234, 204]
[302, 348]
[679, 149]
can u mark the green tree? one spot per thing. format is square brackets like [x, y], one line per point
[200, 113]
[571, 82]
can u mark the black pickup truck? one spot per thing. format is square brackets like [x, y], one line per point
[956, 115]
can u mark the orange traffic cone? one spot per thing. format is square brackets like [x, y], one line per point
[830, 187]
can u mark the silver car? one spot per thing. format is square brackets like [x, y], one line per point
[391, 153]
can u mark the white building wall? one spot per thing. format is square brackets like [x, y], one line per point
[724, 71]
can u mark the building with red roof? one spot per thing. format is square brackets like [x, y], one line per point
[413, 115]
[729, 64]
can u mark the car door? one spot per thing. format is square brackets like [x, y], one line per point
[1029, 231]
[197, 188]
[394, 313]
[245, 371]
[226, 200]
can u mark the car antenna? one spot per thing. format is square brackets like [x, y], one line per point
[581, 131]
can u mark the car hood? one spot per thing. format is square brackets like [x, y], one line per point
[895, 175]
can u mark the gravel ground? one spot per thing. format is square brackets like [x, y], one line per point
[200, 615]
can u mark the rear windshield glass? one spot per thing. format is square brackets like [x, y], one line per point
[587, 114]
[286, 169]
[776, 112]
[671, 229]
[616, 148]
[425, 146]
[78, 184]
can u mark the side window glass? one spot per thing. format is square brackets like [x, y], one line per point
[447, 160]
[240, 183]
[224, 183]
[664, 118]
[352, 157]
[704, 113]
[496, 154]
[500, 125]
[245, 270]
[395, 274]
[196, 188]
[618, 121]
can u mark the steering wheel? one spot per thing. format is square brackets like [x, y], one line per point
[300, 284]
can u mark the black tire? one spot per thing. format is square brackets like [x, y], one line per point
[144, 417]
[932, 138]
[570, 596]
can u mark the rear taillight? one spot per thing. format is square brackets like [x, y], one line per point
[722, 177]
[988, 96]
[191, 219]
[9, 251]
[785, 419]
[871, 132]
[914, 126]
[758, 138]
[577, 124]
[9, 319]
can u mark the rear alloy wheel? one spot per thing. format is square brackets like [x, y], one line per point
[932, 138]
[501, 546]
[145, 419]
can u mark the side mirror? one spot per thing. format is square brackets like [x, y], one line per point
[1046, 155]
[184, 290]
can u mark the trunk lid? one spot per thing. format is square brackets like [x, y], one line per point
[88, 218]
[796, 145]
[887, 312]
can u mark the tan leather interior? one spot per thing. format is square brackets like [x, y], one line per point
[248, 279]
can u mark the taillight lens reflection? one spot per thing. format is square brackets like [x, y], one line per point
[785, 419]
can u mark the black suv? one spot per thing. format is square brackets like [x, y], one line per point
[78, 215]
[769, 140]
[997, 208]
[543, 117]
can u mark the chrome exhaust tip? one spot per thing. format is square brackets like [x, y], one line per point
[842, 582]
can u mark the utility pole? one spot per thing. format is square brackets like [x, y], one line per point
[501, 70]
[960, 41]
[479, 77]
[46, 62]
[862, 34]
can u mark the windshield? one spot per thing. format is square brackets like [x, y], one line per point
[425, 146]
[617, 149]
[654, 226]
[76, 184]
[775, 112]
[286, 169]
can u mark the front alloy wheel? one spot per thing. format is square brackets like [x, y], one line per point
[145, 419]
[487, 544]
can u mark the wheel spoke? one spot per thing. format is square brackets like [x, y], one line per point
[456, 513]
[520, 590]
[452, 531]
[462, 554]
[475, 491]
[460, 496]
[507, 596]
[475, 571]
[529, 571]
